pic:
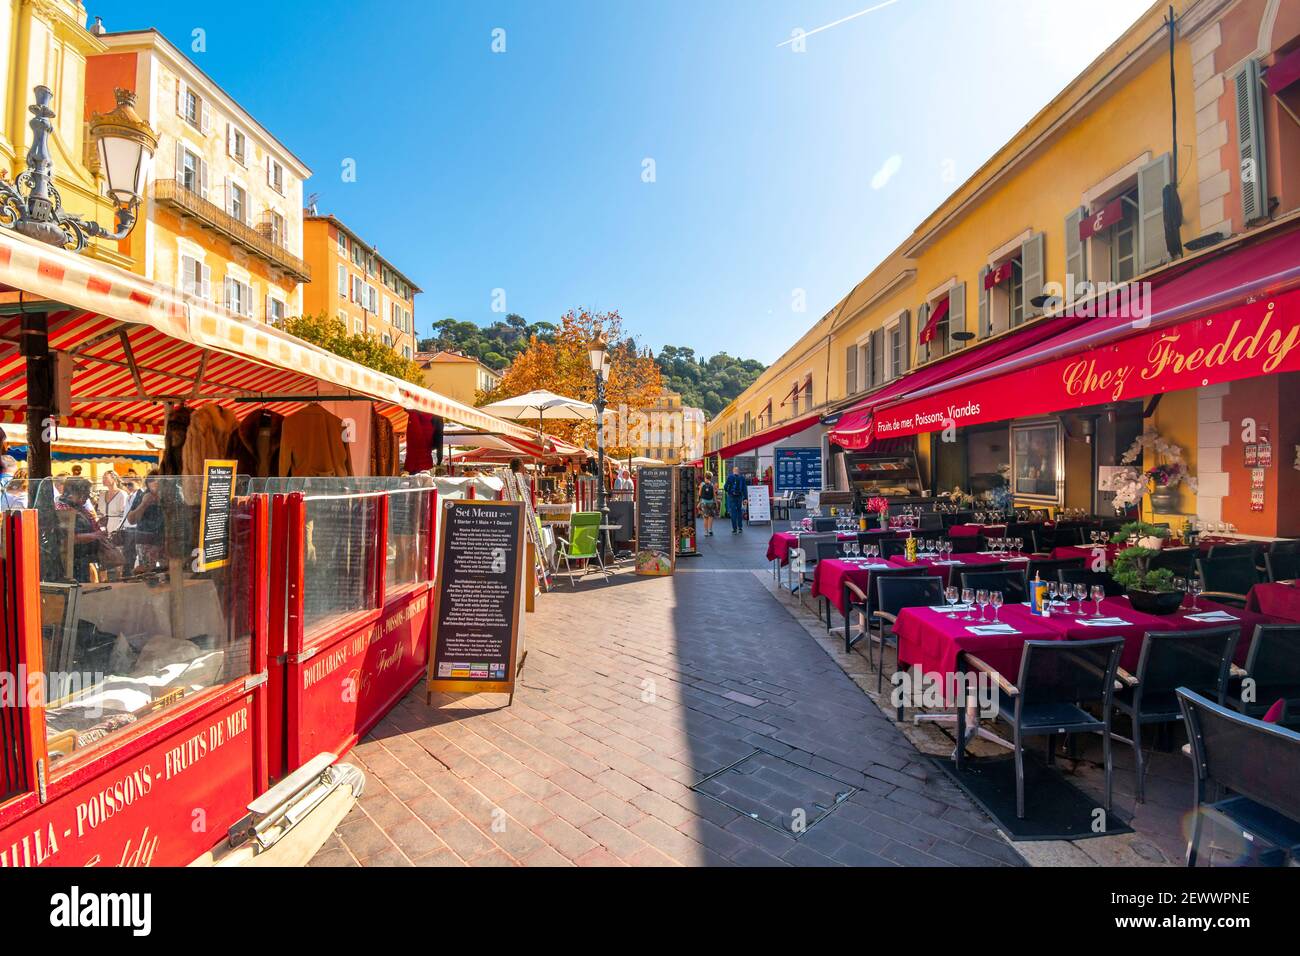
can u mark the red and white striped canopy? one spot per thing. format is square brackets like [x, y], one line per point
[135, 344]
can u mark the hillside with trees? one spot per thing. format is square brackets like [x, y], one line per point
[495, 345]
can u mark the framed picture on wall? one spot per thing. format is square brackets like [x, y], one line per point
[1038, 461]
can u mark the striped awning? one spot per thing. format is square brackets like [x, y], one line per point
[136, 344]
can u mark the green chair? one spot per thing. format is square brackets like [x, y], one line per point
[583, 543]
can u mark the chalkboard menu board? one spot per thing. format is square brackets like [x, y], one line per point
[687, 480]
[798, 469]
[214, 514]
[656, 501]
[476, 620]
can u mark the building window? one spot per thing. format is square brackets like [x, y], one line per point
[192, 108]
[191, 171]
[1122, 240]
[194, 277]
[406, 351]
[357, 254]
[343, 280]
[238, 297]
[274, 175]
[275, 226]
[274, 311]
[356, 325]
[237, 144]
[238, 203]
[897, 350]
[343, 244]
[358, 292]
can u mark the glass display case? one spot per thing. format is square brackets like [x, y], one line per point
[894, 475]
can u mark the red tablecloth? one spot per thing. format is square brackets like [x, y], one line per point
[944, 571]
[1281, 601]
[829, 577]
[933, 640]
[1087, 552]
[779, 545]
[970, 530]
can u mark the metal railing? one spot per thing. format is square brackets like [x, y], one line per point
[190, 203]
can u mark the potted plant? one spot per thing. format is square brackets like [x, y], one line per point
[881, 507]
[1150, 591]
[1160, 480]
[1143, 533]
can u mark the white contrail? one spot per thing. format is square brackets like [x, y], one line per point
[851, 16]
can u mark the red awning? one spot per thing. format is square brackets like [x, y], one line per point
[1284, 71]
[1103, 218]
[766, 437]
[1177, 287]
[999, 275]
[1235, 316]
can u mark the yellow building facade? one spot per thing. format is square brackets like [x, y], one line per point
[458, 376]
[223, 216]
[357, 285]
[47, 44]
[1101, 154]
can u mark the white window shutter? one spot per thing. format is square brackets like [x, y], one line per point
[205, 117]
[984, 328]
[180, 97]
[230, 140]
[850, 370]
[187, 275]
[180, 163]
[1250, 144]
[203, 178]
[225, 292]
[956, 315]
[206, 290]
[268, 169]
[1032, 268]
[1075, 267]
[230, 198]
[266, 307]
[1152, 180]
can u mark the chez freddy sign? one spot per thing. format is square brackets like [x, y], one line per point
[1257, 338]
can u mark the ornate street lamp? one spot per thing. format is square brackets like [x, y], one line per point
[125, 145]
[598, 351]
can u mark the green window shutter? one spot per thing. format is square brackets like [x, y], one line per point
[956, 314]
[1152, 180]
[1075, 267]
[922, 316]
[1033, 265]
[905, 332]
[1250, 144]
[984, 303]
[850, 370]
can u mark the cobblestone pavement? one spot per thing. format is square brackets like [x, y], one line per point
[635, 693]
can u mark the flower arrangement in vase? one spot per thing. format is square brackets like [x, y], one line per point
[1160, 480]
[880, 507]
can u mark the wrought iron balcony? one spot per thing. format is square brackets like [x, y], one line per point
[256, 241]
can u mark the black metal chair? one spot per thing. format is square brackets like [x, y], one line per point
[1273, 669]
[1254, 767]
[893, 593]
[1181, 561]
[866, 603]
[951, 518]
[1046, 568]
[822, 525]
[1285, 546]
[1068, 533]
[931, 521]
[1088, 577]
[1057, 679]
[1196, 660]
[808, 544]
[1228, 580]
[1282, 567]
[967, 543]
[1010, 582]
[1218, 551]
[892, 547]
[823, 551]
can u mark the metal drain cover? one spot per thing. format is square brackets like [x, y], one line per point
[776, 792]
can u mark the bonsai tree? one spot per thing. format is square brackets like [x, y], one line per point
[1131, 570]
[1143, 529]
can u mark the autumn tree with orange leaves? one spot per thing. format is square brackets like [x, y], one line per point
[564, 367]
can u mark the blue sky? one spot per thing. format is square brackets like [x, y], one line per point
[774, 170]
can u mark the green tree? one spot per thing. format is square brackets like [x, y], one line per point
[709, 384]
[332, 334]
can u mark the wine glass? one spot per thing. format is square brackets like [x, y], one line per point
[982, 599]
[950, 594]
[967, 598]
[995, 598]
[1080, 592]
[1097, 592]
[1020, 546]
[1180, 584]
[947, 550]
[1194, 587]
[1053, 591]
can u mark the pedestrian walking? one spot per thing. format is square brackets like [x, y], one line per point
[735, 490]
[708, 503]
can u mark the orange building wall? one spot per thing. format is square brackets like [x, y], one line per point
[104, 74]
[1270, 402]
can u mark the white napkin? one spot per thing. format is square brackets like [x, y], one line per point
[988, 630]
[946, 608]
[1213, 616]
[1103, 621]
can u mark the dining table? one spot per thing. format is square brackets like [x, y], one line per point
[830, 577]
[781, 542]
[970, 530]
[1279, 600]
[944, 567]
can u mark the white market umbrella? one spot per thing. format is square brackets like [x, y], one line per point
[541, 404]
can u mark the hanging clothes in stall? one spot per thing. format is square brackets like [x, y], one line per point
[208, 437]
[255, 445]
[383, 445]
[178, 423]
[312, 446]
[420, 428]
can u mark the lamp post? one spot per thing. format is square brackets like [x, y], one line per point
[599, 354]
[31, 206]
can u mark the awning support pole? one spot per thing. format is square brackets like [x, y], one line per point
[40, 392]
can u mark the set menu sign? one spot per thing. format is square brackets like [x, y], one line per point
[476, 622]
[798, 469]
[656, 499]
